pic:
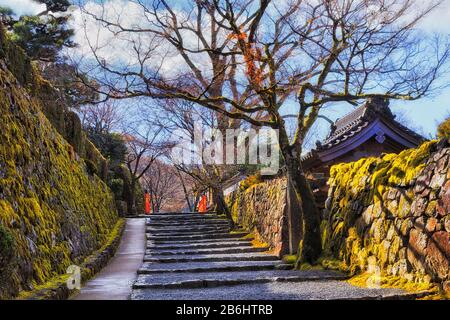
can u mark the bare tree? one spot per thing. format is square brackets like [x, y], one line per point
[245, 60]
[188, 186]
[184, 115]
[163, 184]
[144, 147]
[100, 118]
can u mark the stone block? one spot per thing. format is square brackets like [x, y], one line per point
[436, 261]
[431, 224]
[447, 223]
[417, 245]
[443, 205]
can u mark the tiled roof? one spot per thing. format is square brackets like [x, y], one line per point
[356, 121]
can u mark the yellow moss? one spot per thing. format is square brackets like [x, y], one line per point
[50, 284]
[250, 181]
[47, 197]
[57, 280]
[259, 244]
[443, 130]
[363, 186]
[290, 259]
[372, 280]
[248, 236]
[438, 295]
[332, 264]
[307, 266]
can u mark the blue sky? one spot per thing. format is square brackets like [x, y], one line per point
[424, 114]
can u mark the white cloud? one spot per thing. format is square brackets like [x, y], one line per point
[23, 7]
[119, 47]
[439, 19]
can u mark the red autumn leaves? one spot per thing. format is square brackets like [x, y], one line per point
[252, 54]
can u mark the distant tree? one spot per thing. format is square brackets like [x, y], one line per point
[443, 130]
[5, 15]
[66, 78]
[111, 145]
[42, 35]
[182, 115]
[144, 147]
[100, 118]
[163, 184]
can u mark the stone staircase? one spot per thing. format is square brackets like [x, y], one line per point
[195, 256]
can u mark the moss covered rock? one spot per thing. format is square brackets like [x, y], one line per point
[260, 209]
[387, 213]
[55, 213]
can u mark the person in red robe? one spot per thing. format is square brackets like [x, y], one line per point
[147, 202]
[202, 205]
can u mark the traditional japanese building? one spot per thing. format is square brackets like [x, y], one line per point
[369, 130]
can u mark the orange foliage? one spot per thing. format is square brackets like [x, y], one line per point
[251, 54]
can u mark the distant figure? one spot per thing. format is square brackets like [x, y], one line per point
[202, 205]
[147, 202]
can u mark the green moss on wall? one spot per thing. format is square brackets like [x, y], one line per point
[50, 102]
[54, 211]
[382, 211]
[259, 209]
[16, 59]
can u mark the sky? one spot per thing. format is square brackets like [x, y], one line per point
[23, 7]
[424, 114]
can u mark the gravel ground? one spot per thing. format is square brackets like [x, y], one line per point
[309, 290]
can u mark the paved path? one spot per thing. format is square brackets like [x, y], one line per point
[194, 256]
[114, 282]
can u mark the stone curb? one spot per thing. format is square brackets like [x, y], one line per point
[91, 265]
[211, 283]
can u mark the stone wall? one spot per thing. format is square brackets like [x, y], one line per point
[391, 214]
[260, 209]
[53, 211]
[51, 103]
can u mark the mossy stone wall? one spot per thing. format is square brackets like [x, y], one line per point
[50, 102]
[260, 209]
[392, 214]
[55, 212]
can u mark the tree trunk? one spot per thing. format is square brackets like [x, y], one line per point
[293, 217]
[131, 197]
[186, 193]
[221, 206]
[195, 205]
[310, 246]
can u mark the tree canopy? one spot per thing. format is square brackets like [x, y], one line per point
[42, 35]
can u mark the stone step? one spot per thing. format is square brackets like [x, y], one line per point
[180, 242]
[188, 223]
[238, 257]
[181, 213]
[224, 235]
[227, 266]
[217, 223]
[184, 217]
[221, 250]
[215, 279]
[224, 243]
[186, 233]
[195, 228]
